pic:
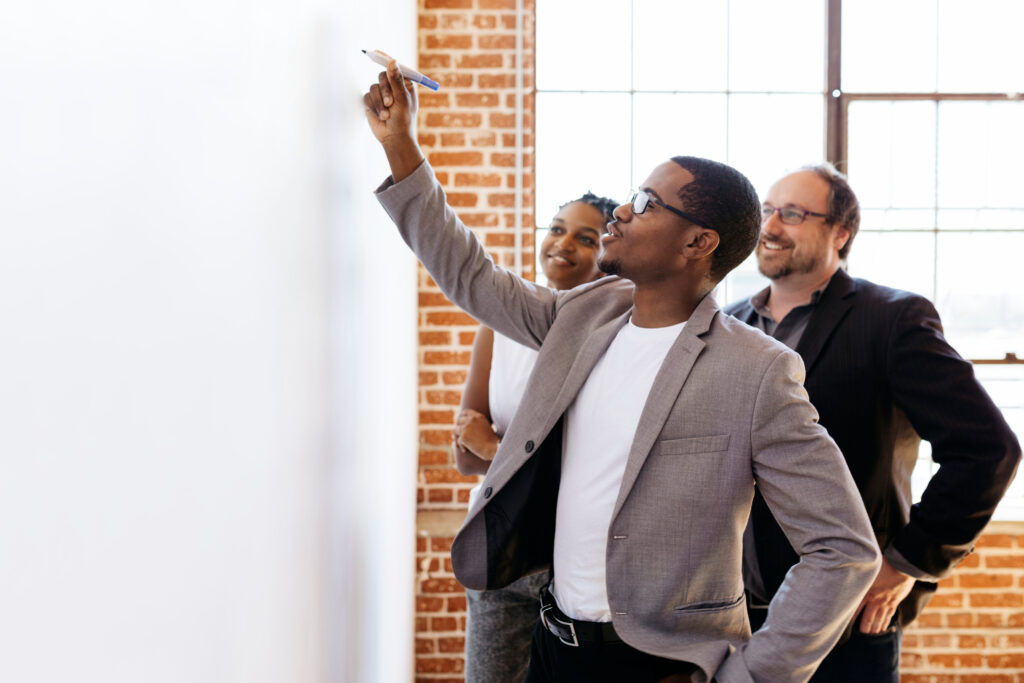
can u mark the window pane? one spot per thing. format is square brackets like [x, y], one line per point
[892, 153]
[670, 125]
[980, 49]
[1005, 384]
[903, 260]
[895, 219]
[981, 147]
[771, 134]
[771, 49]
[979, 293]
[888, 46]
[679, 45]
[578, 150]
[743, 282]
[583, 45]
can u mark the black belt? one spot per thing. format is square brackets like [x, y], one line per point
[570, 631]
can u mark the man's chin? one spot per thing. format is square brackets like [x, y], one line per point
[609, 267]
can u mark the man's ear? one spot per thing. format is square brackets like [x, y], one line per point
[840, 237]
[700, 243]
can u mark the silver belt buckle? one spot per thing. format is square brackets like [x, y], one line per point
[572, 628]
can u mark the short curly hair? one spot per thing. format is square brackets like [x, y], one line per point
[603, 204]
[726, 200]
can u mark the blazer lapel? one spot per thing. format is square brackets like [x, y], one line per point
[665, 391]
[836, 301]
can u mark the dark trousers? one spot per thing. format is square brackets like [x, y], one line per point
[552, 661]
[863, 658]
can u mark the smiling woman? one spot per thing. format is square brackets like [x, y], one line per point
[501, 622]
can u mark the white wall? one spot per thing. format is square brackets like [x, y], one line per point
[207, 346]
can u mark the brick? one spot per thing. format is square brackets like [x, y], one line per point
[995, 541]
[428, 379]
[477, 180]
[444, 623]
[978, 580]
[936, 641]
[455, 603]
[453, 139]
[989, 620]
[426, 646]
[480, 61]
[987, 678]
[463, 496]
[450, 645]
[497, 4]
[499, 239]
[971, 561]
[447, 476]
[483, 139]
[971, 642]
[439, 495]
[954, 660]
[427, 21]
[466, 338]
[434, 299]
[455, 120]
[428, 457]
[508, 22]
[455, 22]
[434, 100]
[435, 339]
[420, 495]
[479, 220]
[421, 624]
[452, 79]
[497, 120]
[457, 377]
[447, 4]
[437, 417]
[449, 41]
[446, 665]
[496, 42]
[431, 604]
[1015, 620]
[449, 318]
[958, 620]
[1004, 561]
[435, 437]
[477, 99]
[447, 398]
[947, 600]
[996, 600]
[456, 158]
[441, 586]
[485, 21]
[434, 61]
[1005, 661]
[440, 544]
[463, 200]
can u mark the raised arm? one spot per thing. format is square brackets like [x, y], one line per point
[474, 441]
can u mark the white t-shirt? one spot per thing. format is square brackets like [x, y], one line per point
[599, 429]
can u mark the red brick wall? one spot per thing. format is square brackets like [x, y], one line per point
[468, 132]
[973, 632]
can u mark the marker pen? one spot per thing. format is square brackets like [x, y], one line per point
[411, 74]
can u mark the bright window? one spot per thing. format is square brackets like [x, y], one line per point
[916, 100]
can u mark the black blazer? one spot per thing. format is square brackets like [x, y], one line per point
[880, 373]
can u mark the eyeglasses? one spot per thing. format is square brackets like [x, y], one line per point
[788, 215]
[640, 200]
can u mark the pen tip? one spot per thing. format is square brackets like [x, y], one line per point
[364, 52]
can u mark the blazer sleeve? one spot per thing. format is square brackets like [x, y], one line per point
[465, 272]
[975, 449]
[807, 484]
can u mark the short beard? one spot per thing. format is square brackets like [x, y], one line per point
[609, 266]
[789, 268]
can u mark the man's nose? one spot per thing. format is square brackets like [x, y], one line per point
[623, 212]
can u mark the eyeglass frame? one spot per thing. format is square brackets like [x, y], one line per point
[655, 200]
[767, 210]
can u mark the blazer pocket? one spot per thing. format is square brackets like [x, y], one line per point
[694, 444]
[710, 606]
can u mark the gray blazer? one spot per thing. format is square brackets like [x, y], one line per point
[727, 411]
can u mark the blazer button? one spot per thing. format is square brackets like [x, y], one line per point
[529, 447]
[487, 492]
